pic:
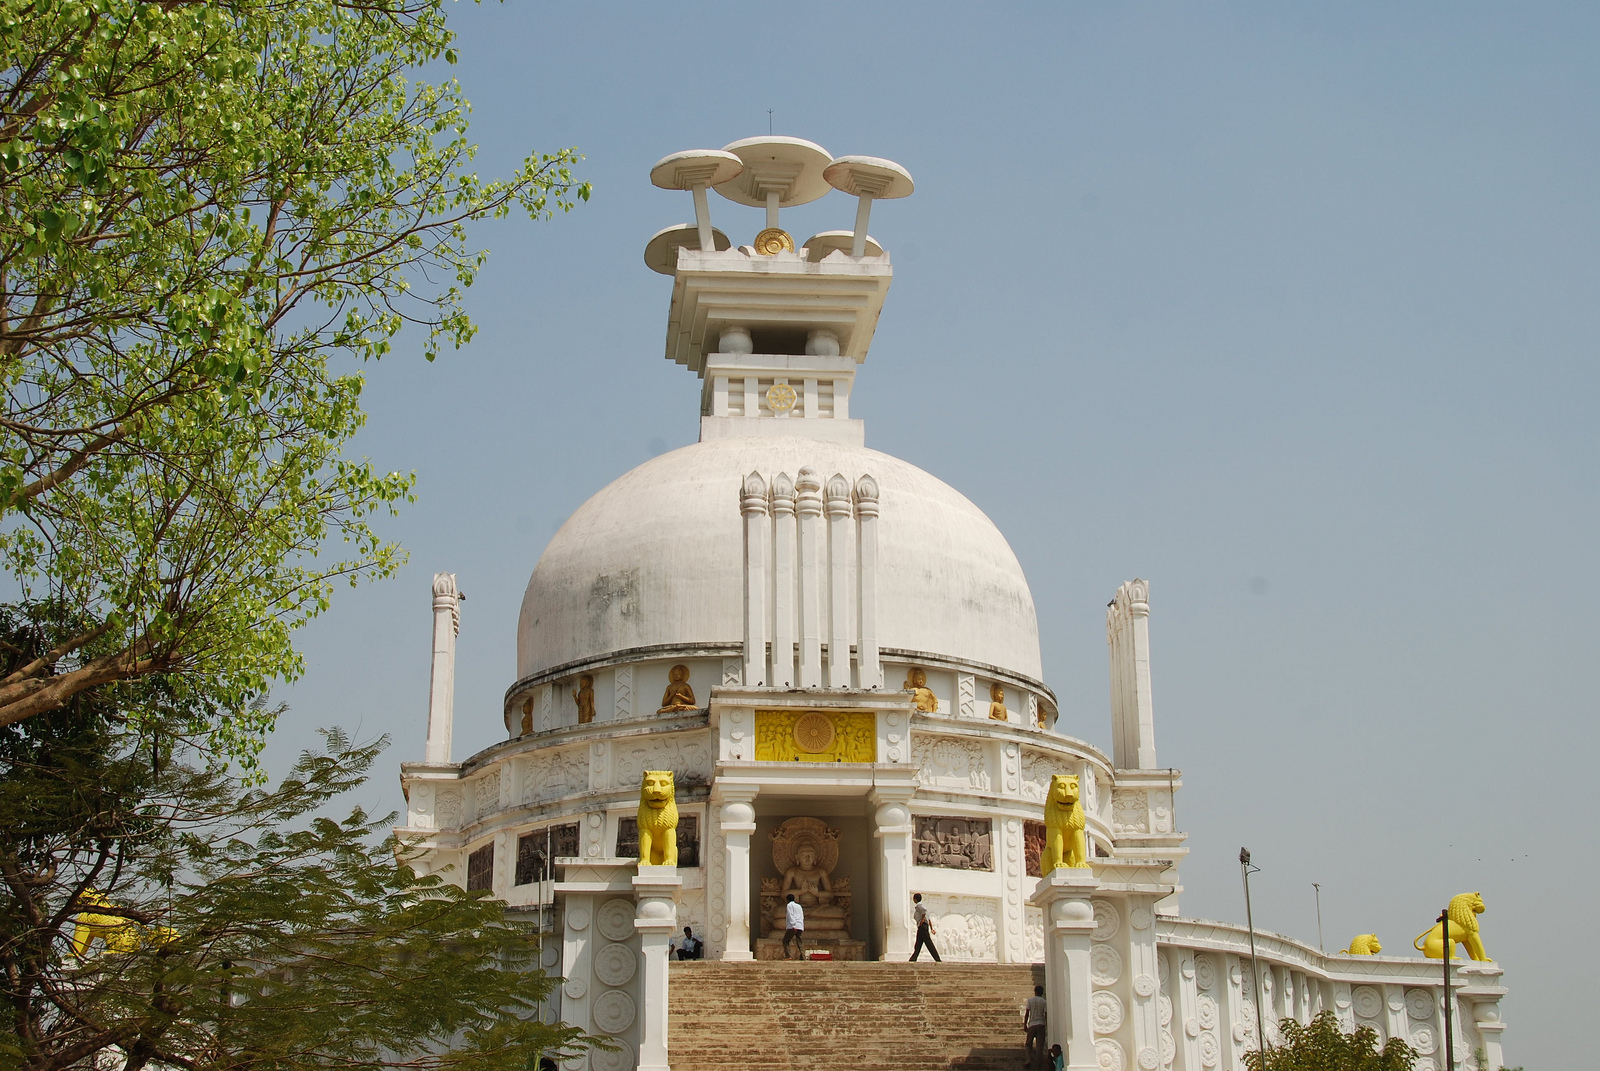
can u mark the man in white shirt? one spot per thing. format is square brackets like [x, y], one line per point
[794, 918]
[688, 946]
[925, 929]
[1035, 1015]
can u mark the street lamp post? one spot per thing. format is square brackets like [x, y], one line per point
[1449, 1032]
[1255, 969]
[1317, 887]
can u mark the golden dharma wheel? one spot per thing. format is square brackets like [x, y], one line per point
[781, 397]
[813, 733]
[774, 240]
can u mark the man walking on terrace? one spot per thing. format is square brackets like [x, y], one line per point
[794, 917]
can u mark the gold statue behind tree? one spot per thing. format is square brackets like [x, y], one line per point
[678, 696]
[917, 681]
[584, 697]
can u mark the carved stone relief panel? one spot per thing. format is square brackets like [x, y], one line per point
[1037, 767]
[968, 926]
[449, 809]
[1033, 934]
[966, 695]
[955, 843]
[553, 774]
[1032, 846]
[1130, 811]
[689, 759]
[947, 762]
[487, 795]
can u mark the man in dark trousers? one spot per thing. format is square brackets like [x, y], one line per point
[794, 918]
[925, 930]
[1034, 1019]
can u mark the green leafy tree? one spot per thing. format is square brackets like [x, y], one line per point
[211, 214]
[233, 927]
[1322, 1046]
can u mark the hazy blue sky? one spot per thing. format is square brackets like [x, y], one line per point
[1291, 311]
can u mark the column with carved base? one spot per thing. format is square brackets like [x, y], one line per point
[655, 890]
[893, 830]
[737, 817]
[1064, 897]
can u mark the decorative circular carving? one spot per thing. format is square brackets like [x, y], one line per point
[1105, 1009]
[780, 397]
[615, 964]
[1169, 1047]
[1187, 968]
[1164, 972]
[1420, 1003]
[578, 918]
[619, 1059]
[1205, 1009]
[1422, 1039]
[1140, 918]
[614, 1011]
[1235, 975]
[1205, 972]
[575, 988]
[1209, 1050]
[894, 754]
[1368, 1003]
[1144, 985]
[893, 721]
[813, 732]
[1164, 1009]
[1106, 920]
[1396, 1001]
[1105, 965]
[772, 241]
[1108, 1055]
[550, 958]
[1149, 1058]
[1191, 1027]
[1424, 1064]
[594, 821]
[615, 919]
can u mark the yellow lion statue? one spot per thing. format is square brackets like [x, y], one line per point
[658, 820]
[1364, 944]
[1463, 913]
[1064, 843]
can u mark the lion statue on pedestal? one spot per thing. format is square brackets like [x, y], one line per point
[1463, 914]
[1064, 842]
[658, 820]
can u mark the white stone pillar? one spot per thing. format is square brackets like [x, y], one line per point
[808, 504]
[753, 505]
[1132, 710]
[869, 670]
[737, 818]
[442, 687]
[1144, 975]
[655, 890]
[838, 506]
[894, 829]
[783, 563]
[1064, 897]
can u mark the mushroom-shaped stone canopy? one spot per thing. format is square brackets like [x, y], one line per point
[792, 167]
[695, 167]
[661, 252]
[869, 176]
[820, 245]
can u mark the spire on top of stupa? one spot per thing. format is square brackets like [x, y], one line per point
[774, 330]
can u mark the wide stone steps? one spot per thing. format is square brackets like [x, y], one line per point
[821, 1016]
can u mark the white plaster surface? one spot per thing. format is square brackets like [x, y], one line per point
[657, 557]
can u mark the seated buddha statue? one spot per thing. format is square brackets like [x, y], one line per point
[997, 703]
[678, 696]
[809, 883]
[917, 681]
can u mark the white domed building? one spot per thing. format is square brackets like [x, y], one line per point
[837, 657]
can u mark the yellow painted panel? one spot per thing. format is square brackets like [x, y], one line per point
[816, 736]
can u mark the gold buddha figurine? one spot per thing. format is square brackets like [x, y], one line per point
[917, 681]
[678, 696]
[584, 697]
[997, 702]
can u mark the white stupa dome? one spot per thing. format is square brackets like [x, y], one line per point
[656, 558]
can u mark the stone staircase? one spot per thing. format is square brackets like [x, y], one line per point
[819, 1016]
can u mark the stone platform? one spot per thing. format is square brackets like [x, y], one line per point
[844, 949]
